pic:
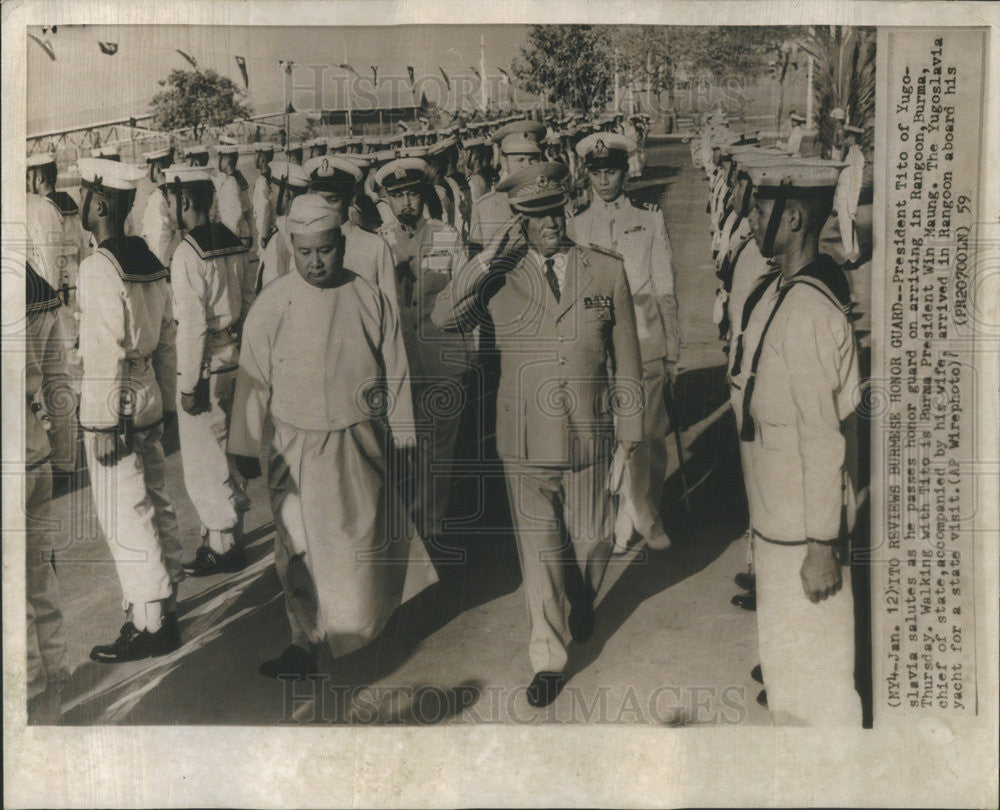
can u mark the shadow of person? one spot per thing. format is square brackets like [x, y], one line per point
[718, 518]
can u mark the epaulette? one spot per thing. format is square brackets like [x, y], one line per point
[214, 240]
[607, 252]
[270, 235]
[39, 294]
[133, 259]
[65, 204]
[644, 206]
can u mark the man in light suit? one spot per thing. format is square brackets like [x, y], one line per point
[562, 316]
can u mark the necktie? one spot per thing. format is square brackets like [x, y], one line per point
[550, 276]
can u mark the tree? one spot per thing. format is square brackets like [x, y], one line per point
[197, 99]
[570, 64]
[843, 76]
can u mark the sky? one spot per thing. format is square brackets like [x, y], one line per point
[84, 86]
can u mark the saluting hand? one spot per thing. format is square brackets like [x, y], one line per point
[507, 240]
[820, 572]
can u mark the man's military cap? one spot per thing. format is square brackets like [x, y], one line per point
[520, 138]
[606, 149]
[407, 172]
[540, 187]
[332, 173]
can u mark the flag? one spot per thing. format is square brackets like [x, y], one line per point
[475, 70]
[374, 75]
[409, 70]
[242, 64]
[45, 46]
[190, 58]
[446, 80]
[506, 75]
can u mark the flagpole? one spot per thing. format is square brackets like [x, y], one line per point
[350, 122]
[482, 70]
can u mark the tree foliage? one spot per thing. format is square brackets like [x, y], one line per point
[843, 76]
[571, 64]
[197, 99]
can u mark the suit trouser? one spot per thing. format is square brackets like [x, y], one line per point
[211, 482]
[563, 526]
[806, 650]
[139, 522]
[427, 486]
[646, 468]
[46, 641]
[342, 572]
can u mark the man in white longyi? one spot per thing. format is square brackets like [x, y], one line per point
[344, 566]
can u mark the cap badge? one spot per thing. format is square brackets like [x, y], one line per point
[325, 166]
[600, 149]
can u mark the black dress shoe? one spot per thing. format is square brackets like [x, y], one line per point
[581, 621]
[757, 674]
[745, 580]
[762, 698]
[207, 562]
[133, 644]
[544, 688]
[294, 661]
[747, 601]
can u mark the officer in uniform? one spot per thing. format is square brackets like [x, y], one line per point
[127, 343]
[335, 179]
[426, 252]
[45, 377]
[639, 234]
[212, 290]
[518, 145]
[323, 359]
[291, 180]
[159, 219]
[234, 196]
[562, 316]
[263, 205]
[801, 377]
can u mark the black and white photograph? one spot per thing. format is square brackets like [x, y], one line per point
[536, 377]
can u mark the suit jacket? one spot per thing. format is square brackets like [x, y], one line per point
[556, 405]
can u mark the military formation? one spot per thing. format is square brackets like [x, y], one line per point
[326, 327]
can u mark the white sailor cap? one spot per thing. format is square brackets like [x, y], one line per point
[197, 149]
[797, 117]
[441, 145]
[852, 128]
[838, 114]
[336, 142]
[100, 174]
[314, 142]
[185, 175]
[291, 175]
[311, 213]
[401, 174]
[158, 154]
[106, 152]
[227, 149]
[263, 147]
[802, 178]
[41, 159]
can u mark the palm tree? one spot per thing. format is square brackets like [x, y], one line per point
[844, 77]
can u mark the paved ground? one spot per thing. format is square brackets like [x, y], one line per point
[668, 647]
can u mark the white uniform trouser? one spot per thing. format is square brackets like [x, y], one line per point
[343, 568]
[563, 526]
[646, 468]
[806, 650]
[427, 488]
[46, 641]
[130, 498]
[211, 483]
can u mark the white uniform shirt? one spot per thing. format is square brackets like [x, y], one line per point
[211, 292]
[159, 225]
[234, 206]
[640, 236]
[127, 338]
[263, 209]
